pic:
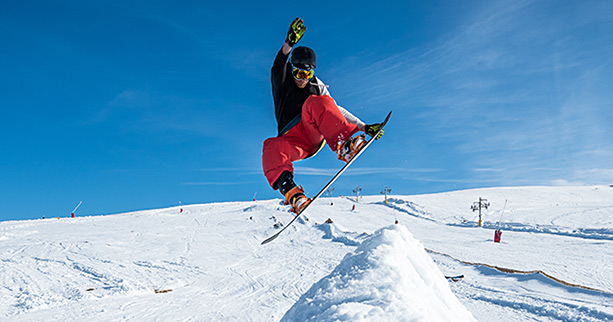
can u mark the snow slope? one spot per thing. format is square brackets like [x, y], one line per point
[206, 263]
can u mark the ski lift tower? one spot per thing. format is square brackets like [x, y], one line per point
[385, 192]
[481, 204]
[357, 193]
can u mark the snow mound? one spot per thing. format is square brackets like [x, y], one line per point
[389, 277]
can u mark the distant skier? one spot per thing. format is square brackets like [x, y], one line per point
[307, 117]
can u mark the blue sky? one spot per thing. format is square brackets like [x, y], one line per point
[129, 105]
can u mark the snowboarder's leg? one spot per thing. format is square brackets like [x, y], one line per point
[320, 114]
[277, 157]
[294, 195]
[279, 152]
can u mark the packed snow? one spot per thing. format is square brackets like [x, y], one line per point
[205, 262]
[389, 277]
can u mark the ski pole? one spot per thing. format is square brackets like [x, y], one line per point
[503, 208]
[75, 208]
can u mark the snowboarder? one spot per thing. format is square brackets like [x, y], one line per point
[307, 118]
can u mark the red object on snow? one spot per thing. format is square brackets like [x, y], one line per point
[73, 215]
[497, 235]
[396, 221]
[353, 208]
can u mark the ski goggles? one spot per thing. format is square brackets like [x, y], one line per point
[300, 73]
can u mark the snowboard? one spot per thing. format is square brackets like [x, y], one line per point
[338, 174]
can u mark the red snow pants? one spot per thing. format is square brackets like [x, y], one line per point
[321, 119]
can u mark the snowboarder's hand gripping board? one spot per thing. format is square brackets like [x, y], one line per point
[374, 130]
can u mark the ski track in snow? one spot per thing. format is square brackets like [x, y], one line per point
[492, 294]
[206, 263]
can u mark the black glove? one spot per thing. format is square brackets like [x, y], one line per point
[295, 32]
[372, 129]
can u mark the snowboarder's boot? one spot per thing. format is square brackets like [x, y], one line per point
[297, 199]
[348, 149]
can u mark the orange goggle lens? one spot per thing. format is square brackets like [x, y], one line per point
[302, 73]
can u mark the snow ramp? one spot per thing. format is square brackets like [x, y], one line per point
[389, 277]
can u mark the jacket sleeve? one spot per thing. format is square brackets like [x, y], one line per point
[352, 119]
[278, 68]
[322, 88]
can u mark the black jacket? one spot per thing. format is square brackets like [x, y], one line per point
[287, 96]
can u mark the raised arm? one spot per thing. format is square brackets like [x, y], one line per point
[295, 32]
